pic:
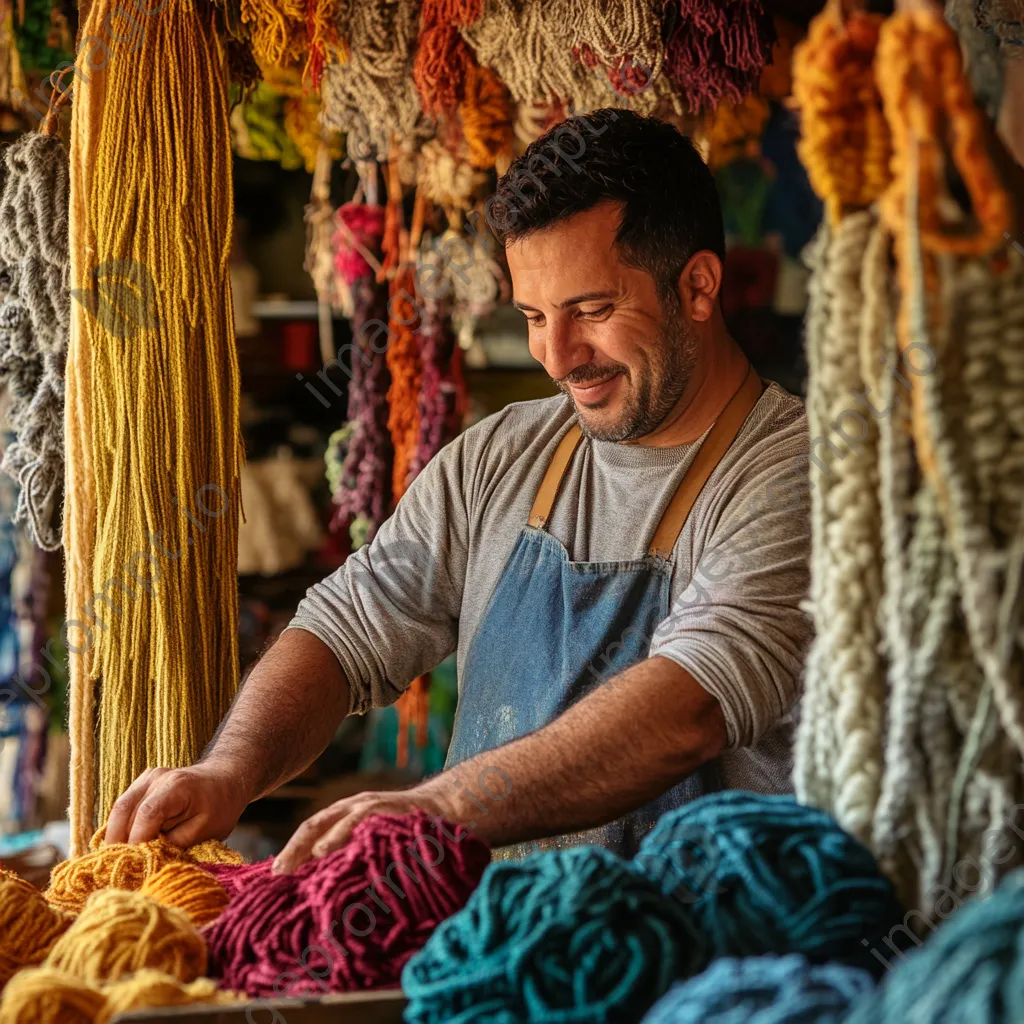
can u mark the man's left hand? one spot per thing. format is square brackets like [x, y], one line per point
[329, 829]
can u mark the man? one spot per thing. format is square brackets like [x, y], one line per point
[619, 567]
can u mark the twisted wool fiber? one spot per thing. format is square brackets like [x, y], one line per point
[34, 324]
[29, 926]
[572, 934]
[844, 139]
[329, 926]
[371, 97]
[443, 60]
[486, 116]
[845, 607]
[405, 364]
[445, 179]
[763, 990]
[438, 394]
[718, 50]
[541, 50]
[118, 933]
[189, 888]
[363, 493]
[971, 969]
[763, 874]
[146, 432]
[365, 223]
[42, 995]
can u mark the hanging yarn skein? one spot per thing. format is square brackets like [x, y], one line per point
[35, 312]
[324, 913]
[762, 874]
[572, 934]
[152, 429]
[764, 990]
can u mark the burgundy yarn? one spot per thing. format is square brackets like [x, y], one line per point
[366, 470]
[347, 921]
[717, 49]
[366, 223]
[437, 385]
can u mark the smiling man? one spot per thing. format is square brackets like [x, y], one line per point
[619, 567]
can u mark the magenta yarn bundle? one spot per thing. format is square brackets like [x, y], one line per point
[437, 387]
[717, 49]
[366, 224]
[348, 921]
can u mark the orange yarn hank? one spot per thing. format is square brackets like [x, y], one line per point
[928, 101]
[442, 57]
[487, 120]
[189, 888]
[119, 933]
[736, 130]
[29, 926]
[844, 141]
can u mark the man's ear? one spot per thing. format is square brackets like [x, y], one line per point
[700, 281]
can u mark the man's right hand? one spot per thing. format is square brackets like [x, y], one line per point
[185, 805]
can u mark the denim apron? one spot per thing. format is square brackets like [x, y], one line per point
[555, 629]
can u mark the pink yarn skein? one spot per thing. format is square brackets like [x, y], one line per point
[347, 921]
[366, 223]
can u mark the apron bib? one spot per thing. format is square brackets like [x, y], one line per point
[555, 629]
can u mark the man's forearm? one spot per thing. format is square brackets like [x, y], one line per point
[618, 748]
[284, 716]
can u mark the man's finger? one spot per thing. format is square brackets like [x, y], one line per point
[339, 834]
[299, 847]
[122, 814]
[165, 802]
[188, 833]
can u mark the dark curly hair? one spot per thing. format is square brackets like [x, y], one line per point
[670, 207]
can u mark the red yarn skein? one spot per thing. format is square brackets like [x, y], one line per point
[347, 921]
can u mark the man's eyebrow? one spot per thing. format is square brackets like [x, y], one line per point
[575, 300]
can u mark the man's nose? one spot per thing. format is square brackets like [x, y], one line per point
[564, 349]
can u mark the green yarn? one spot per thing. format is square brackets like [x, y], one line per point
[764, 874]
[566, 935]
[764, 990]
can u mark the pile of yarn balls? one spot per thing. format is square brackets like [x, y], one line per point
[770, 899]
[151, 925]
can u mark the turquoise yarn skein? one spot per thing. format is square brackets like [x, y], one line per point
[970, 970]
[566, 935]
[764, 990]
[764, 874]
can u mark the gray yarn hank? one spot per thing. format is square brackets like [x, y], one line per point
[35, 318]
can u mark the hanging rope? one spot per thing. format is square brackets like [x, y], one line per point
[153, 445]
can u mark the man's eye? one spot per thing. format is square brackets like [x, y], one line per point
[535, 320]
[596, 312]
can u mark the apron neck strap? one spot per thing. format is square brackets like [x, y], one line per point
[716, 444]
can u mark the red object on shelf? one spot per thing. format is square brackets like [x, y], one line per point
[299, 349]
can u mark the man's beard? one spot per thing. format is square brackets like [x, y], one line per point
[653, 388]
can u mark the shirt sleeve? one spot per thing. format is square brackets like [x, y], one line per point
[738, 627]
[391, 611]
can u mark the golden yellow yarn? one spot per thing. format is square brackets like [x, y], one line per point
[119, 866]
[736, 130]
[211, 851]
[152, 428]
[29, 926]
[42, 995]
[189, 888]
[119, 933]
[844, 140]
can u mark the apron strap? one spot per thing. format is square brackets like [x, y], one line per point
[548, 490]
[716, 444]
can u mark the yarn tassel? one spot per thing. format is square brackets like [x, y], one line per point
[152, 430]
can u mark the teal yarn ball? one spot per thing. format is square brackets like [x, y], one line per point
[566, 935]
[764, 990]
[764, 874]
[970, 970]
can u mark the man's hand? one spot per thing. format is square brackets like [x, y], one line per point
[330, 829]
[186, 805]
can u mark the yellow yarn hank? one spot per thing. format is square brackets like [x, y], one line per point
[211, 851]
[29, 926]
[152, 428]
[118, 866]
[43, 995]
[188, 888]
[844, 140]
[736, 130]
[118, 933]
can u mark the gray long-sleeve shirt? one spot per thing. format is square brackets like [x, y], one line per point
[403, 603]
